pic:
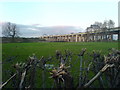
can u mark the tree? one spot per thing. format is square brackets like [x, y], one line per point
[10, 30]
[108, 24]
[105, 24]
[99, 24]
[111, 23]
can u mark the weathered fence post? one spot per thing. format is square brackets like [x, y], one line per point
[33, 71]
[81, 68]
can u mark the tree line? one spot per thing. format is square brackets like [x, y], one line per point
[99, 26]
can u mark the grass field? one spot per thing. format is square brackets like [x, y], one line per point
[19, 52]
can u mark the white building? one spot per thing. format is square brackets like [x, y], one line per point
[93, 28]
[119, 14]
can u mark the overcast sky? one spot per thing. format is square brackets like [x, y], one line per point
[81, 13]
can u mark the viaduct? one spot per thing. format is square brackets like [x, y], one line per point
[106, 35]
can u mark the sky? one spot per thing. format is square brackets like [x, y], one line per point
[78, 13]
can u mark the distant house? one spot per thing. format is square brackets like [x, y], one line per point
[93, 28]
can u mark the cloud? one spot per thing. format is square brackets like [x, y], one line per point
[33, 29]
[37, 30]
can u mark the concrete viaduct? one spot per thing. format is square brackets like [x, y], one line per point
[85, 37]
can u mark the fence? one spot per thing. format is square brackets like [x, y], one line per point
[106, 70]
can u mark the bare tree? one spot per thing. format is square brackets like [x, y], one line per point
[111, 23]
[10, 30]
[99, 24]
[105, 24]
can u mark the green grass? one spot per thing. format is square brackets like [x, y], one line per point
[19, 52]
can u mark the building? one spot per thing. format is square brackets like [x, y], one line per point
[93, 28]
[119, 14]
